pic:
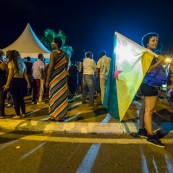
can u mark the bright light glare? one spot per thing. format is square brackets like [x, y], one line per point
[168, 59]
[127, 55]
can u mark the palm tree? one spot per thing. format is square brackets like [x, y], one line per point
[48, 37]
[49, 34]
[68, 50]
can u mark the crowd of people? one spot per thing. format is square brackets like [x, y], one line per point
[60, 79]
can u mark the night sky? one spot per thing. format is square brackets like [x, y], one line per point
[88, 25]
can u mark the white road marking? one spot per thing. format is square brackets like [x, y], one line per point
[168, 163]
[73, 117]
[32, 151]
[144, 163]
[89, 159]
[4, 145]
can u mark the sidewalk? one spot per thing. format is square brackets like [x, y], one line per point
[84, 119]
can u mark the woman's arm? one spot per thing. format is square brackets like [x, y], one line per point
[41, 71]
[26, 78]
[50, 69]
[160, 59]
[4, 66]
[9, 78]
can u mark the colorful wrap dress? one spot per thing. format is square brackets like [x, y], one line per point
[58, 88]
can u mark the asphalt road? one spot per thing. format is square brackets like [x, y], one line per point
[28, 152]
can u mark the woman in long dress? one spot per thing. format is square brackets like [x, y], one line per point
[56, 81]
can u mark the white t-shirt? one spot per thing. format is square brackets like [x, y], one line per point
[89, 66]
[35, 69]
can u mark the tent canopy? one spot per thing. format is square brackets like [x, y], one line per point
[28, 44]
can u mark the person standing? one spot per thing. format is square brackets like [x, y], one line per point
[29, 65]
[3, 79]
[150, 92]
[80, 71]
[17, 82]
[89, 67]
[169, 88]
[103, 66]
[9, 96]
[38, 80]
[72, 79]
[56, 81]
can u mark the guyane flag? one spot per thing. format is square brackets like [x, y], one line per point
[129, 65]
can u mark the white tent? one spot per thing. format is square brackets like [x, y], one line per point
[28, 44]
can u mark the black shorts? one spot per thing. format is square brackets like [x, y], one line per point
[148, 90]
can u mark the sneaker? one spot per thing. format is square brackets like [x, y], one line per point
[142, 133]
[160, 133]
[153, 139]
[136, 98]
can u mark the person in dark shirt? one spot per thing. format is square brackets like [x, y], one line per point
[80, 71]
[72, 81]
[3, 79]
[29, 65]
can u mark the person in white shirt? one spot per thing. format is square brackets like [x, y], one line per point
[38, 79]
[89, 67]
[103, 66]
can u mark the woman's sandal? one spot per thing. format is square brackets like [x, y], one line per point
[62, 119]
[52, 119]
[17, 117]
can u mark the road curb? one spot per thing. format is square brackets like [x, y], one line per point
[78, 127]
[68, 127]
